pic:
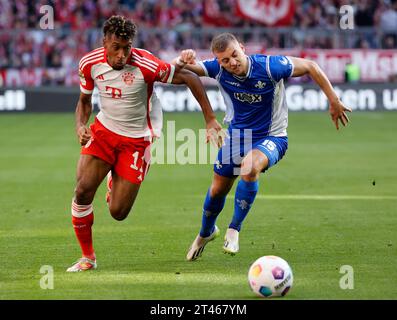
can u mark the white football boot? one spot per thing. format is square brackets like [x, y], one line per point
[199, 243]
[83, 264]
[231, 241]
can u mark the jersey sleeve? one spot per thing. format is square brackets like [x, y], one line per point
[165, 72]
[153, 68]
[211, 67]
[86, 81]
[280, 67]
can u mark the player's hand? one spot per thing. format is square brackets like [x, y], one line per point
[337, 111]
[188, 56]
[84, 134]
[215, 133]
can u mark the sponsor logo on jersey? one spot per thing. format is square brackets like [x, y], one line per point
[233, 83]
[248, 97]
[128, 78]
[115, 92]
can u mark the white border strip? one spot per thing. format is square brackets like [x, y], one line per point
[318, 197]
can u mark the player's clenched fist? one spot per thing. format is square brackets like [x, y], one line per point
[187, 56]
[84, 134]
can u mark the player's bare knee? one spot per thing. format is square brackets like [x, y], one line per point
[83, 195]
[250, 171]
[119, 217]
[217, 191]
[119, 214]
[251, 176]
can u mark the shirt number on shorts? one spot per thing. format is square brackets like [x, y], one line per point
[134, 165]
[270, 145]
[135, 155]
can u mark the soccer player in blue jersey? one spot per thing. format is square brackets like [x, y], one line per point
[253, 91]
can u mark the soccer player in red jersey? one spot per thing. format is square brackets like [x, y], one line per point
[119, 140]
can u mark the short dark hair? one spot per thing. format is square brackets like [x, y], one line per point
[121, 27]
[220, 42]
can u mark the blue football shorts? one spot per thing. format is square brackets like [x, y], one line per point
[230, 156]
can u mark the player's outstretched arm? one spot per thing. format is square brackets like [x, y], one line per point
[214, 129]
[187, 60]
[82, 115]
[337, 109]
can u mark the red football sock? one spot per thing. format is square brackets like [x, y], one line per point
[82, 220]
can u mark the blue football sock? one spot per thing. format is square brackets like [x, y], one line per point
[243, 200]
[212, 208]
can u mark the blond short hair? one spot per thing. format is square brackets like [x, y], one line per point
[220, 42]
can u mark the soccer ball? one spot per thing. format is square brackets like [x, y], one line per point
[270, 276]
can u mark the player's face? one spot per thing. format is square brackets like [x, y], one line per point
[233, 59]
[117, 51]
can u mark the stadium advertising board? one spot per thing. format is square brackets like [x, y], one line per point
[375, 66]
[300, 97]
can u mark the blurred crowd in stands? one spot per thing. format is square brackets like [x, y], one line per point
[176, 24]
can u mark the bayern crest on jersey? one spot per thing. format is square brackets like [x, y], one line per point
[128, 78]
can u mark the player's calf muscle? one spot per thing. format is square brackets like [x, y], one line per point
[220, 186]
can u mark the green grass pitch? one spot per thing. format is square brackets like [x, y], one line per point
[332, 201]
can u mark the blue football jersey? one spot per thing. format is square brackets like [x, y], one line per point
[256, 101]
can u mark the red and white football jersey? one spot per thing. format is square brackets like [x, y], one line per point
[129, 105]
